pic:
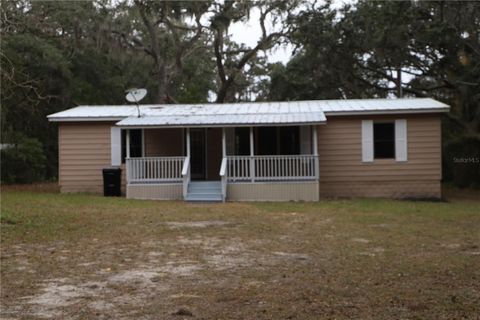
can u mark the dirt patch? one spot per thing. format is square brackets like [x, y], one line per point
[360, 240]
[184, 296]
[146, 277]
[101, 305]
[451, 245]
[178, 269]
[383, 225]
[196, 224]
[56, 294]
[473, 253]
[295, 256]
[136, 276]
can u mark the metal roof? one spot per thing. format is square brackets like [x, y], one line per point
[226, 120]
[382, 106]
[247, 113]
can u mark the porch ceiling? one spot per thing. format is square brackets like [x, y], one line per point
[225, 120]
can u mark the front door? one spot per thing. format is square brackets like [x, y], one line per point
[197, 153]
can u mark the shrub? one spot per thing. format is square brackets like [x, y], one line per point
[462, 162]
[23, 161]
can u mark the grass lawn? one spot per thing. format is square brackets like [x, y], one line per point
[88, 257]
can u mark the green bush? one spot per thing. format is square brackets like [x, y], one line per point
[23, 161]
[461, 162]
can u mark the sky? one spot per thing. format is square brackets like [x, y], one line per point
[249, 33]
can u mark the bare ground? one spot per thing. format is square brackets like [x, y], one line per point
[87, 257]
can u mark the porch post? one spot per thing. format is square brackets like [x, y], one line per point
[315, 150]
[223, 166]
[224, 143]
[143, 142]
[188, 141]
[127, 142]
[252, 161]
[127, 156]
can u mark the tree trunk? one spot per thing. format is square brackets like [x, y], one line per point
[399, 83]
[222, 92]
[161, 90]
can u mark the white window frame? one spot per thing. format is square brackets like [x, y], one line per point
[400, 140]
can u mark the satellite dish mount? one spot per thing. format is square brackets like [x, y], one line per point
[135, 95]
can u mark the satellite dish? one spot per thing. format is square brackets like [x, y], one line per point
[135, 95]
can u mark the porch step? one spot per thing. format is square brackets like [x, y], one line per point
[204, 191]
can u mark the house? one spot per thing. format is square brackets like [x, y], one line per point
[275, 151]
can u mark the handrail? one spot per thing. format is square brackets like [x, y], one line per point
[223, 176]
[155, 158]
[186, 165]
[296, 156]
[223, 167]
[186, 176]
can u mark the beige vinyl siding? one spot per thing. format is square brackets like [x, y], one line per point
[84, 150]
[163, 142]
[343, 174]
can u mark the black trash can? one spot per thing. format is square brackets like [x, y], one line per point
[112, 182]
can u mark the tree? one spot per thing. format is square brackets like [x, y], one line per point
[379, 49]
[231, 59]
[171, 35]
[55, 55]
[177, 34]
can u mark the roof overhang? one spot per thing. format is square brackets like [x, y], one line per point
[84, 119]
[385, 112]
[224, 120]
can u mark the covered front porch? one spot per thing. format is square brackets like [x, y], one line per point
[271, 163]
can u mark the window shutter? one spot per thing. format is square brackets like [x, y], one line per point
[116, 146]
[305, 140]
[401, 140]
[367, 140]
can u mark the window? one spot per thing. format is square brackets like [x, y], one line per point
[384, 140]
[136, 144]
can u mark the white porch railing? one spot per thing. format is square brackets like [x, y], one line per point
[272, 168]
[154, 169]
[233, 169]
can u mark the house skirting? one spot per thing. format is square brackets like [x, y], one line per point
[273, 191]
[298, 191]
[382, 189]
[167, 191]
